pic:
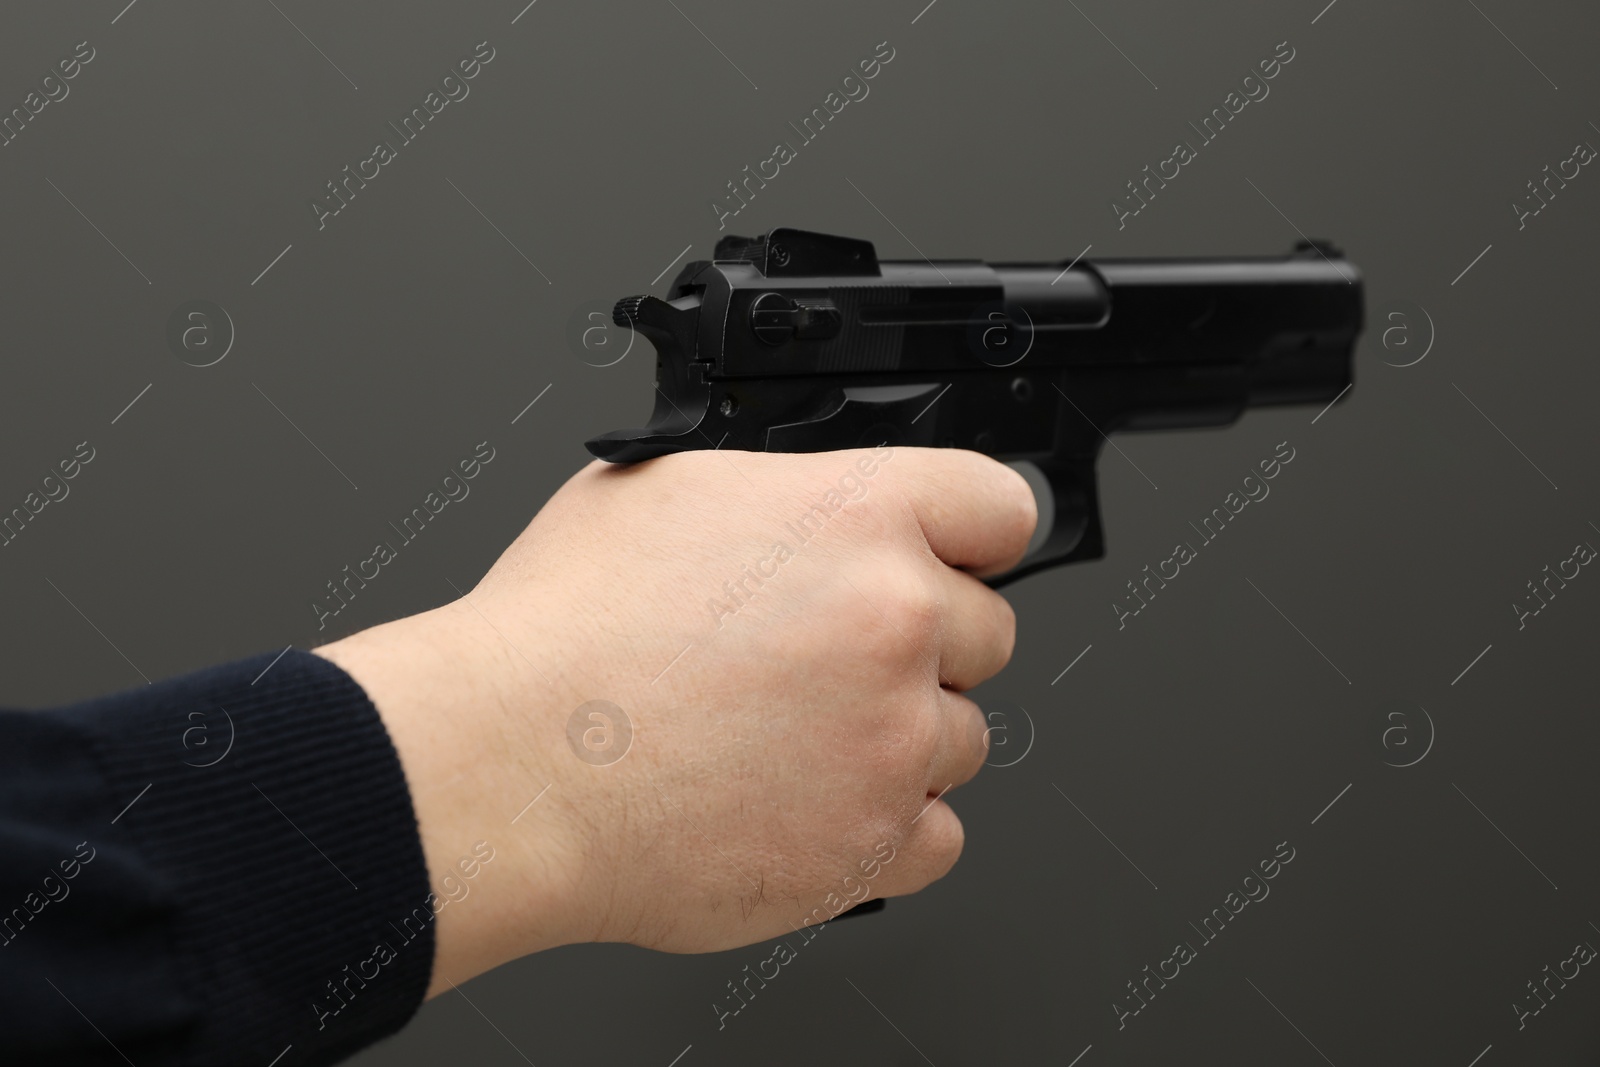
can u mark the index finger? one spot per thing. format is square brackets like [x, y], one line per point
[976, 513]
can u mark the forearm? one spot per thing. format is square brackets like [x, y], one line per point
[251, 842]
[456, 699]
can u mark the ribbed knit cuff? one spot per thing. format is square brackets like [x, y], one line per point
[271, 799]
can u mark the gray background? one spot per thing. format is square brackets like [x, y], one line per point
[1196, 739]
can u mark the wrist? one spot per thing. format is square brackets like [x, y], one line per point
[502, 873]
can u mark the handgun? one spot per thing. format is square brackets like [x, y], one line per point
[806, 342]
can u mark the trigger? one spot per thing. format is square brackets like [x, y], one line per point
[1069, 515]
[1044, 499]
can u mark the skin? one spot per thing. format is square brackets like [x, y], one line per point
[805, 737]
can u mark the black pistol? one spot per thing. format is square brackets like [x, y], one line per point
[806, 342]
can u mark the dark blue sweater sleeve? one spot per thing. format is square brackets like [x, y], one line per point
[219, 868]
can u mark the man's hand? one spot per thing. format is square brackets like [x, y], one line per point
[787, 638]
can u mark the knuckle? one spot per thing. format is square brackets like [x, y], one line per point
[936, 848]
[909, 604]
[888, 830]
[975, 735]
[952, 840]
[903, 742]
[924, 733]
[1005, 631]
[883, 828]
